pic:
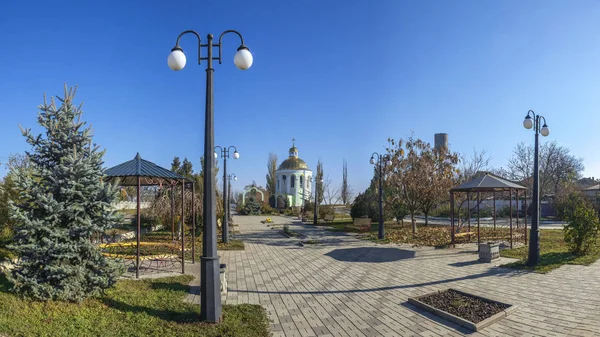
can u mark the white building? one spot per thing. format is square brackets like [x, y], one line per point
[294, 180]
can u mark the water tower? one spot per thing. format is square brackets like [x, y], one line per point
[441, 140]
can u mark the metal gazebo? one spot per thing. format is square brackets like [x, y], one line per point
[487, 182]
[139, 172]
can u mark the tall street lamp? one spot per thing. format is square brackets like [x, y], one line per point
[380, 162]
[229, 178]
[210, 292]
[317, 182]
[534, 238]
[225, 154]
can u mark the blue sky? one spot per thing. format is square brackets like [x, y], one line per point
[339, 76]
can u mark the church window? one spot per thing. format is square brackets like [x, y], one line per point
[293, 181]
[302, 181]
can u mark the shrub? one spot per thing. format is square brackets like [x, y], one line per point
[309, 206]
[325, 210]
[582, 229]
[363, 206]
[266, 209]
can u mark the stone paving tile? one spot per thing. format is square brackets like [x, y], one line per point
[331, 289]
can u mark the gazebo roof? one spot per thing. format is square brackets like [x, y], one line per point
[487, 183]
[150, 173]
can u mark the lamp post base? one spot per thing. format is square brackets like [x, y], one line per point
[210, 290]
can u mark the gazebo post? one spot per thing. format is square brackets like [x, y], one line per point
[193, 224]
[494, 199]
[183, 226]
[172, 213]
[469, 213]
[139, 226]
[478, 232]
[452, 218]
[517, 193]
[510, 210]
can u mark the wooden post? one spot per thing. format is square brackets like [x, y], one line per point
[511, 231]
[478, 232]
[139, 226]
[452, 218]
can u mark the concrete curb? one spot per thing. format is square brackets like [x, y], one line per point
[458, 320]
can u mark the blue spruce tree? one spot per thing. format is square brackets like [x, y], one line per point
[63, 202]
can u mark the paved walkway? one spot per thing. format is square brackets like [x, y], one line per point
[349, 287]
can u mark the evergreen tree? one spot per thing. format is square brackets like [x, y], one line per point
[186, 168]
[176, 165]
[63, 202]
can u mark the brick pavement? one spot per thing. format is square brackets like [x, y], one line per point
[349, 287]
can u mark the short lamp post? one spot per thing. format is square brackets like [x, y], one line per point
[229, 178]
[210, 290]
[534, 238]
[380, 161]
[225, 154]
[318, 181]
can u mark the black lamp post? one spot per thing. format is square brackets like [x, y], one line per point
[225, 154]
[380, 162]
[229, 178]
[534, 238]
[317, 182]
[210, 292]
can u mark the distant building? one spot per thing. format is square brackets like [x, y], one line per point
[441, 141]
[293, 181]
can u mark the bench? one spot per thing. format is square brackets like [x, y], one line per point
[361, 224]
[463, 234]
[329, 217]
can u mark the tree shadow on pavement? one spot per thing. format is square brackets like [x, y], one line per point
[371, 254]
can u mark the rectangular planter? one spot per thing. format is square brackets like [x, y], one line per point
[458, 320]
[489, 251]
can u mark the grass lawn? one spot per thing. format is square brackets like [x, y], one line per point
[133, 308]
[553, 253]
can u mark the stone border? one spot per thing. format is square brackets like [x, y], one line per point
[458, 320]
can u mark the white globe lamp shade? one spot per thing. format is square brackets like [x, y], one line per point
[528, 122]
[234, 178]
[176, 59]
[545, 131]
[216, 155]
[389, 163]
[243, 58]
[236, 155]
[372, 161]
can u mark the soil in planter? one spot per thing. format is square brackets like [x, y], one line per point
[472, 309]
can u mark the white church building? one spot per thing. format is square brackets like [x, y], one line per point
[294, 181]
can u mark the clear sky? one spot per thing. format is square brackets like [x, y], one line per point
[339, 76]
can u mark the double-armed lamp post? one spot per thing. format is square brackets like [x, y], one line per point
[380, 163]
[225, 154]
[534, 238]
[210, 292]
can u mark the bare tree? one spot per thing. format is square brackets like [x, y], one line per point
[331, 192]
[558, 167]
[345, 191]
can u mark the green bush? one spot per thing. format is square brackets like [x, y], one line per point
[325, 210]
[581, 232]
[267, 209]
[309, 206]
